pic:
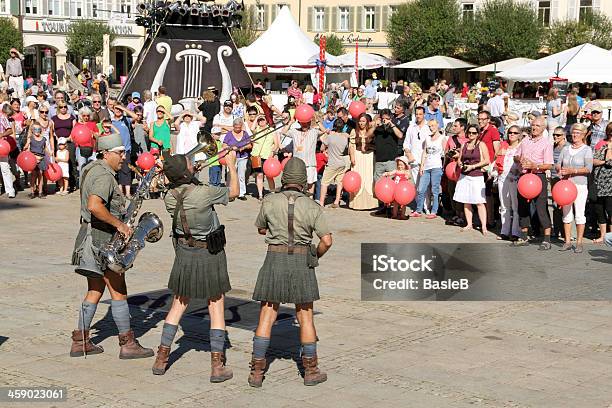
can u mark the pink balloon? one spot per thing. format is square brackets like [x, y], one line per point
[27, 161]
[5, 148]
[284, 162]
[564, 192]
[53, 172]
[351, 182]
[272, 167]
[529, 186]
[81, 134]
[356, 108]
[384, 189]
[146, 161]
[452, 171]
[404, 192]
[304, 113]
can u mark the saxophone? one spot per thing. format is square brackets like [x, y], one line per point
[119, 254]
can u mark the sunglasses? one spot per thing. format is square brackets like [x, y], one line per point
[558, 134]
[517, 133]
[63, 106]
[160, 111]
[45, 111]
[96, 101]
[36, 130]
[596, 112]
[472, 133]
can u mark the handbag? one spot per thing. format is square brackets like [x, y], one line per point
[255, 162]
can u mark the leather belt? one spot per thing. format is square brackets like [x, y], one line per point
[16, 76]
[195, 243]
[297, 249]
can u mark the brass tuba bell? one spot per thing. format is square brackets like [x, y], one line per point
[206, 145]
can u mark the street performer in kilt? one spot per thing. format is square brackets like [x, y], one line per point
[288, 219]
[200, 266]
[102, 205]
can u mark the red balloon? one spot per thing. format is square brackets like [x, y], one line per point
[284, 162]
[81, 135]
[452, 171]
[356, 108]
[27, 161]
[5, 148]
[304, 113]
[384, 189]
[404, 192]
[564, 192]
[351, 182]
[529, 186]
[272, 167]
[53, 172]
[146, 161]
[154, 150]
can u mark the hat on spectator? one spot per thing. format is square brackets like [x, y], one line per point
[404, 160]
[228, 103]
[136, 94]
[595, 107]
[62, 141]
[211, 88]
[111, 142]
[31, 99]
[216, 129]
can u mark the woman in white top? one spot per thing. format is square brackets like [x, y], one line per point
[188, 127]
[430, 170]
[507, 186]
[308, 94]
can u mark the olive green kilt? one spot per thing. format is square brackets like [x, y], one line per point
[285, 278]
[197, 273]
[98, 239]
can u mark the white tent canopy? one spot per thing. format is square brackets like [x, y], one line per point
[436, 62]
[365, 60]
[503, 65]
[584, 63]
[283, 48]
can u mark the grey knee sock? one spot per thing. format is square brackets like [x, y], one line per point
[168, 334]
[121, 315]
[260, 346]
[309, 349]
[86, 315]
[217, 340]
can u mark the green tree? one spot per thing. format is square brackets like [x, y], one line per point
[246, 34]
[424, 28]
[593, 27]
[10, 37]
[502, 29]
[85, 38]
[333, 45]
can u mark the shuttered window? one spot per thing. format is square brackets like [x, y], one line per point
[344, 19]
[369, 18]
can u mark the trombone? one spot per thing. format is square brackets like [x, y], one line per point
[208, 146]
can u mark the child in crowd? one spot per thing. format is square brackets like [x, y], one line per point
[336, 143]
[214, 169]
[401, 173]
[38, 145]
[62, 158]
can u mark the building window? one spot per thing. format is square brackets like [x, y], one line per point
[392, 10]
[319, 19]
[344, 19]
[31, 6]
[125, 6]
[369, 18]
[544, 12]
[54, 7]
[260, 17]
[586, 8]
[76, 8]
[467, 11]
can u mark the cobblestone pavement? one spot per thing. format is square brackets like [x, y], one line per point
[389, 354]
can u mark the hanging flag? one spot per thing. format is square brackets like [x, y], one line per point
[322, 62]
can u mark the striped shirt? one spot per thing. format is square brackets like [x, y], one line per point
[538, 151]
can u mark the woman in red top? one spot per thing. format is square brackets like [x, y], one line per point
[85, 151]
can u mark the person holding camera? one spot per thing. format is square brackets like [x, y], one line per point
[200, 265]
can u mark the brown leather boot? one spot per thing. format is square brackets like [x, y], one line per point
[131, 348]
[82, 345]
[312, 374]
[218, 371]
[258, 367]
[161, 361]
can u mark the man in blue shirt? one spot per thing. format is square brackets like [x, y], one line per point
[433, 111]
[122, 120]
[329, 118]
